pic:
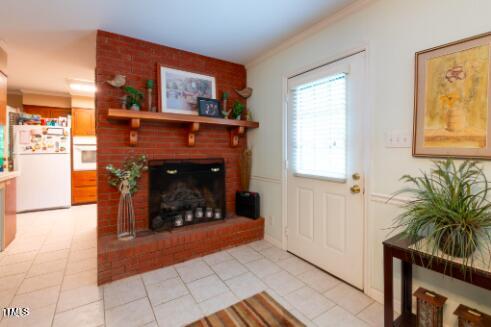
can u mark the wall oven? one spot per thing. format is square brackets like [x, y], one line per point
[84, 153]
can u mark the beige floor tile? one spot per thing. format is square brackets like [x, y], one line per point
[218, 303]
[40, 282]
[6, 297]
[11, 282]
[309, 302]
[44, 268]
[283, 282]
[51, 256]
[79, 296]
[133, 314]
[159, 275]
[123, 291]
[14, 269]
[37, 299]
[263, 267]
[193, 270]
[89, 315]
[295, 266]
[228, 269]
[166, 291]
[218, 257]
[18, 258]
[300, 316]
[319, 280]
[373, 314]
[206, 288]
[338, 317]
[84, 278]
[274, 254]
[260, 246]
[245, 285]
[178, 312]
[244, 254]
[349, 298]
[78, 255]
[81, 265]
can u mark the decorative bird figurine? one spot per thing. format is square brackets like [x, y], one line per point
[117, 81]
[245, 93]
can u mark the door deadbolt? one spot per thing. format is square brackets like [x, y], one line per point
[356, 176]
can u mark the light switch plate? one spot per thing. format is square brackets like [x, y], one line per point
[398, 139]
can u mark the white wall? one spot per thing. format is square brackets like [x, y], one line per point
[392, 30]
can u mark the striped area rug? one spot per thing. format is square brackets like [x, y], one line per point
[260, 310]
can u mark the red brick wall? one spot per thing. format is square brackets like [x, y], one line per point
[137, 60]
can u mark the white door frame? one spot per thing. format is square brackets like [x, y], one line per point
[367, 118]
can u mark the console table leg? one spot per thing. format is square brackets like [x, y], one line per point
[388, 288]
[406, 287]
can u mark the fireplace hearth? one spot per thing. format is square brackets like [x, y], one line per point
[185, 192]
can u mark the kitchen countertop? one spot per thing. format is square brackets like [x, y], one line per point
[6, 175]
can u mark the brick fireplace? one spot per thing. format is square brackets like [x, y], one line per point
[137, 60]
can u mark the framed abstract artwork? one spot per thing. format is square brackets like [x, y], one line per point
[452, 109]
[179, 90]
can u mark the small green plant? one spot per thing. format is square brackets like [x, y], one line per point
[237, 109]
[225, 96]
[130, 172]
[449, 206]
[133, 97]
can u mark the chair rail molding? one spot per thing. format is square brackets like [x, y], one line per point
[389, 199]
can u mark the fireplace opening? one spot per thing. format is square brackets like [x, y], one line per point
[185, 192]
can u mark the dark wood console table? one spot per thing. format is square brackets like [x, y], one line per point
[398, 247]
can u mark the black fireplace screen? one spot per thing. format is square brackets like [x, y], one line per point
[185, 192]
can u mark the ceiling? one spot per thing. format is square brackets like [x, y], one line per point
[51, 41]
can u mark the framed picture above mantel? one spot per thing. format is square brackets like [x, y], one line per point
[452, 112]
[179, 90]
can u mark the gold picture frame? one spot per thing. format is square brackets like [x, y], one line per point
[452, 103]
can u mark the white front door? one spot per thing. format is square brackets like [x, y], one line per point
[325, 167]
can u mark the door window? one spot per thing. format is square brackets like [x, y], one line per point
[318, 127]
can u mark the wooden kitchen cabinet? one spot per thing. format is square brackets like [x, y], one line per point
[47, 112]
[84, 187]
[83, 122]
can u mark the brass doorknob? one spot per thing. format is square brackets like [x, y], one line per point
[355, 189]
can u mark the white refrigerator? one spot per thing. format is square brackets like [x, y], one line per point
[42, 157]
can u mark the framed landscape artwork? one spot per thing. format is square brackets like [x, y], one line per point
[452, 116]
[179, 90]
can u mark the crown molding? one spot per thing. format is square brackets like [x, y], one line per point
[317, 27]
[50, 93]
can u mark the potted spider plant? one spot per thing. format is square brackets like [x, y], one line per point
[449, 207]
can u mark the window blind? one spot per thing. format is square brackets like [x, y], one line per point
[318, 126]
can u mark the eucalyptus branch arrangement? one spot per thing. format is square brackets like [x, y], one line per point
[130, 173]
[449, 207]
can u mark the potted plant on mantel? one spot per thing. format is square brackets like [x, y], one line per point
[449, 207]
[125, 179]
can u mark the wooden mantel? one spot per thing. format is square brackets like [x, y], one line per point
[237, 127]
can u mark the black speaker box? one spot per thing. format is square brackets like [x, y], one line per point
[247, 204]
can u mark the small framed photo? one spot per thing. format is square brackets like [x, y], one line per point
[209, 107]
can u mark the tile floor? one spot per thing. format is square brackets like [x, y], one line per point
[51, 268]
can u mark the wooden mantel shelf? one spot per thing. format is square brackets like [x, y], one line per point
[237, 127]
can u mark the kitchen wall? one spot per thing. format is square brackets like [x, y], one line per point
[14, 100]
[392, 31]
[83, 102]
[46, 100]
[3, 60]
